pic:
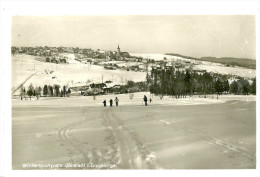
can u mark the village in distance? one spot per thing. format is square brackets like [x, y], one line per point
[190, 76]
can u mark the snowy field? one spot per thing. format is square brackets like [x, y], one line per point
[204, 65]
[236, 71]
[157, 56]
[190, 133]
[65, 74]
[125, 100]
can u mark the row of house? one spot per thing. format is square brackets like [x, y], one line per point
[95, 88]
[54, 51]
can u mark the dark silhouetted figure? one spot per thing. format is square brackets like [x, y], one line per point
[150, 100]
[111, 102]
[105, 103]
[116, 100]
[145, 100]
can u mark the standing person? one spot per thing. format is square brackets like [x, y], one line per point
[111, 102]
[116, 100]
[150, 100]
[105, 103]
[145, 100]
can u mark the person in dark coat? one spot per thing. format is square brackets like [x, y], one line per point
[111, 102]
[145, 100]
[105, 103]
[150, 100]
[116, 100]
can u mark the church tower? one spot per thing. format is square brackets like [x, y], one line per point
[118, 51]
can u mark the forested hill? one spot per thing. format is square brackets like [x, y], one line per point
[228, 61]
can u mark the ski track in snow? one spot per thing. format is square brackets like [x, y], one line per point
[123, 147]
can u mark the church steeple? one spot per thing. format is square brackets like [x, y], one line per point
[118, 51]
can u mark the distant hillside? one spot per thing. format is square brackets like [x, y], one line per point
[228, 61]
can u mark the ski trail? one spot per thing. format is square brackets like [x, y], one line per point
[133, 153]
[89, 154]
[221, 143]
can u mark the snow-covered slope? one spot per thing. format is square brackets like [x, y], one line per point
[204, 65]
[23, 66]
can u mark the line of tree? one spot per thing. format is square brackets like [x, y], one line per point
[56, 91]
[31, 91]
[242, 87]
[182, 83]
[48, 90]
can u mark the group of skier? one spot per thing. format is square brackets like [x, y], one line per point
[111, 102]
[117, 101]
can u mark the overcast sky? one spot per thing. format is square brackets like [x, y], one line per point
[197, 36]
